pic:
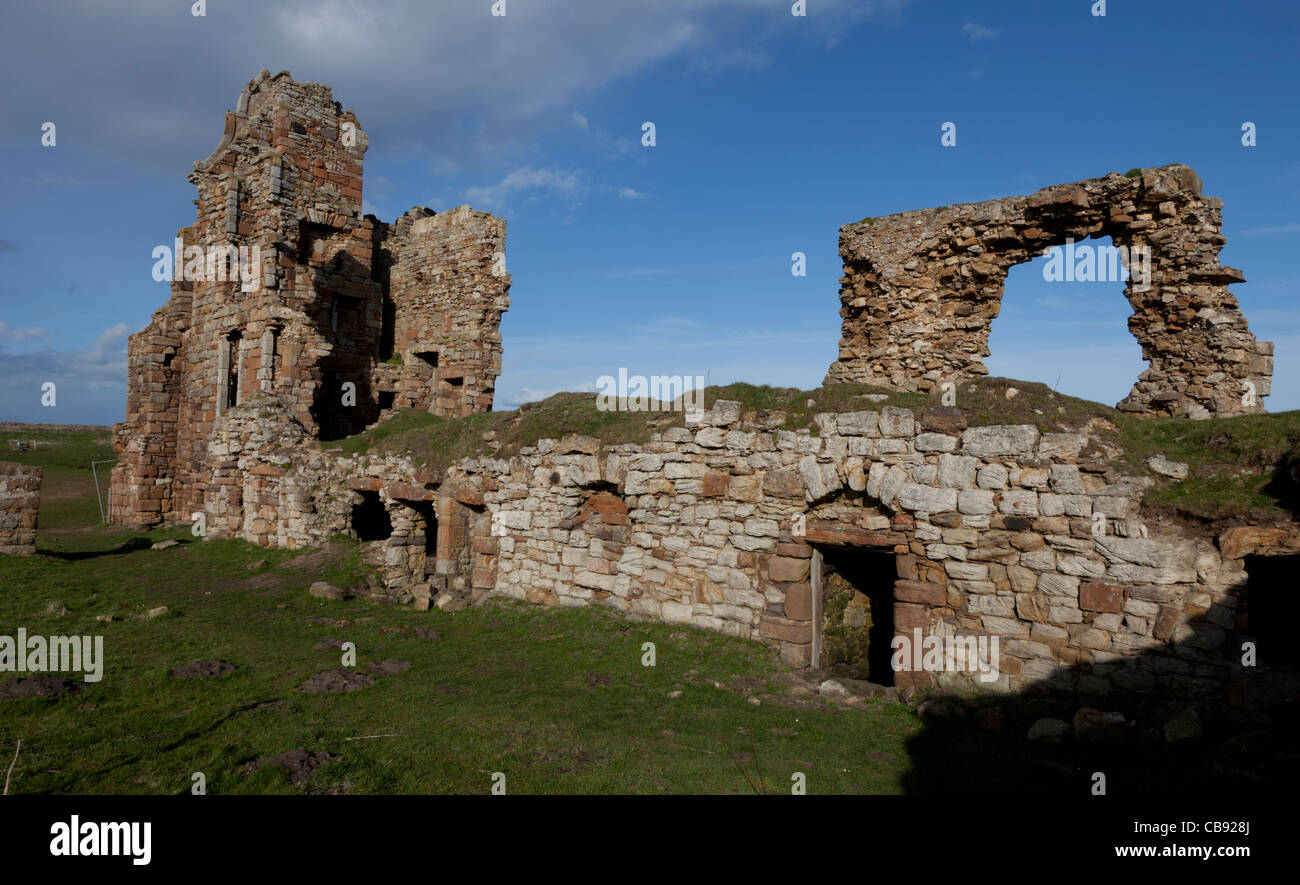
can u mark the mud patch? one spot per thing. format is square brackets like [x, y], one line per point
[40, 687]
[336, 623]
[336, 681]
[330, 645]
[426, 633]
[298, 763]
[206, 669]
[388, 668]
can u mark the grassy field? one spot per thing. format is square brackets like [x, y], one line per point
[557, 700]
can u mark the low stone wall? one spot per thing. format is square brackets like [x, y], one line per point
[998, 531]
[20, 502]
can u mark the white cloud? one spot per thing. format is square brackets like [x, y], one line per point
[448, 81]
[90, 384]
[562, 182]
[35, 333]
[532, 395]
[1275, 229]
[631, 193]
[978, 32]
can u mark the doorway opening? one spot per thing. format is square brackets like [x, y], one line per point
[1264, 608]
[854, 621]
[370, 518]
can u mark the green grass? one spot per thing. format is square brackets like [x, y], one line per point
[555, 698]
[73, 449]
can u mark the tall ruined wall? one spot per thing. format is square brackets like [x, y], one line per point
[449, 287]
[20, 503]
[993, 531]
[308, 315]
[921, 288]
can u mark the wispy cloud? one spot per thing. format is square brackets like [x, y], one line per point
[35, 333]
[1274, 229]
[532, 395]
[561, 182]
[91, 383]
[978, 32]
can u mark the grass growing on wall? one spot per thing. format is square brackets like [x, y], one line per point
[1233, 462]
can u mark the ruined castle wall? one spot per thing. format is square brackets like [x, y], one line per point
[305, 313]
[449, 288]
[993, 530]
[20, 503]
[920, 290]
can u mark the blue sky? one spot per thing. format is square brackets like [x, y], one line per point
[771, 130]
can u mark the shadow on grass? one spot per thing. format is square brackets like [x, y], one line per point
[130, 545]
[1284, 487]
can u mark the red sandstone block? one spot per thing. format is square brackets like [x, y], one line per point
[912, 680]
[819, 533]
[920, 592]
[605, 504]
[798, 602]
[408, 492]
[910, 616]
[715, 483]
[1166, 621]
[787, 631]
[1101, 597]
[469, 496]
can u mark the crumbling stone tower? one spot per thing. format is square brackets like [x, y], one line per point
[342, 316]
[921, 288]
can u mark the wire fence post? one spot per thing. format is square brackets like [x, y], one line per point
[103, 513]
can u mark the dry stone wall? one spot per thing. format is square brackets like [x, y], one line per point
[921, 288]
[20, 501]
[998, 531]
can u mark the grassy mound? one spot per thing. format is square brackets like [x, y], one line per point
[1237, 467]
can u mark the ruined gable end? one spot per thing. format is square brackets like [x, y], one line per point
[920, 289]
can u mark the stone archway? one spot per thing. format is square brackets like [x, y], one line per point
[921, 288]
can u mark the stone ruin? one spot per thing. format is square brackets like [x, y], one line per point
[920, 290]
[885, 523]
[20, 498]
[342, 315]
